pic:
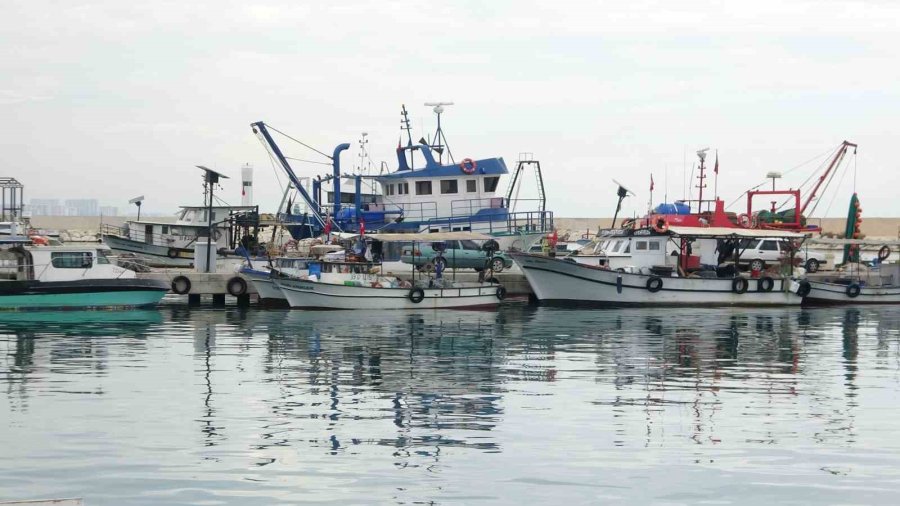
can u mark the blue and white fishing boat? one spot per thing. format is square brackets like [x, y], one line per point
[69, 277]
[430, 191]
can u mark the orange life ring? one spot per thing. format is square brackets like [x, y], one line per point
[744, 220]
[38, 240]
[661, 226]
[468, 166]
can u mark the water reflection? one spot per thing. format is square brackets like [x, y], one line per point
[274, 391]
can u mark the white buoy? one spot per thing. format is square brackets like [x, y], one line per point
[247, 185]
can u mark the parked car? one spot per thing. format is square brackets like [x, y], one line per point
[457, 255]
[757, 254]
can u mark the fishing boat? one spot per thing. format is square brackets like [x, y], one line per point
[358, 282]
[430, 191]
[171, 244]
[703, 276]
[855, 281]
[261, 277]
[69, 277]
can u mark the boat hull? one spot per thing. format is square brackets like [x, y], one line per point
[265, 288]
[311, 295]
[566, 282]
[835, 293]
[81, 294]
[154, 255]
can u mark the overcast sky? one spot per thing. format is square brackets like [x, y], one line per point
[111, 99]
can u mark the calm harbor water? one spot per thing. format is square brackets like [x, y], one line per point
[529, 405]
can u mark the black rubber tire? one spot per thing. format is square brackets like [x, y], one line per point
[739, 285]
[654, 284]
[490, 245]
[172, 253]
[181, 285]
[236, 286]
[853, 290]
[812, 265]
[804, 289]
[497, 264]
[765, 284]
[757, 261]
[416, 295]
[501, 293]
[884, 253]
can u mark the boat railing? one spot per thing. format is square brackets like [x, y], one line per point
[153, 239]
[525, 222]
[411, 211]
[468, 207]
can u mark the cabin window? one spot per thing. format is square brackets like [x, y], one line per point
[640, 246]
[101, 257]
[165, 229]
[72, 259]
[490, 183]
[389, 189]
[423, 187]
[403, 188]
[654, 245]
[472, 185]
[449, 186]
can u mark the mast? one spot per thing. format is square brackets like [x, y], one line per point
[440, 140]
[702, 177]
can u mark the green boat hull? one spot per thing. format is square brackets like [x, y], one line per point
[86, 294]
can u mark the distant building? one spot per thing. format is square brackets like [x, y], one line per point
[82, 207]
[46, 207]
[109, 211]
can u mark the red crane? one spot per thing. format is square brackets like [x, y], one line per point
[838, 156]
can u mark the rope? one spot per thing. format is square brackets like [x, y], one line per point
[271, 161]
[834, 196]
[299, 142]
[308, 161]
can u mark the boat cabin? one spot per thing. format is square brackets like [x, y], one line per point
[59, 263]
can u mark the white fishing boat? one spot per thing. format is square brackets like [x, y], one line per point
[657, 277]
[261, 277]
[356, 283]
[160, 243]
[69, 277]
[856, 282]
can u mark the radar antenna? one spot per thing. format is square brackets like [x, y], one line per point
[440, 140]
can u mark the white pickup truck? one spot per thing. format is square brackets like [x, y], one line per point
[759, 253]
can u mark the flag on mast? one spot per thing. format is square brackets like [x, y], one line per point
[716, 168]
[651, 182]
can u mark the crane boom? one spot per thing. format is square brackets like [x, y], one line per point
[260, 128]
[838, 156]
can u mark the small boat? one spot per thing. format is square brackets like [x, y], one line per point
[171, 244]
[658, 277]
[357, 283]
[69, 277]
[857, 282]
[261, 277]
